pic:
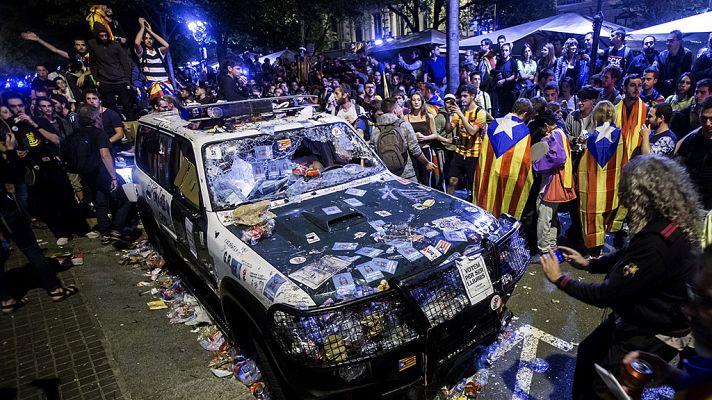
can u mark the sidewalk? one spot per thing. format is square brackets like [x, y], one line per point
[54, 350]
[103, 343]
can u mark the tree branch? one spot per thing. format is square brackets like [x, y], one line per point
[405, 18]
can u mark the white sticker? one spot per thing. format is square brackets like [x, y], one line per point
[297, 260]
[355, 192]
[383, 213]
[213, 152]
[312, 237]
[331, 210]
[353, 202]
[475, 278]
[431, 252]
[496, 302]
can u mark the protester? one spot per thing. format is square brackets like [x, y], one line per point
[604, 155]
[111, 70]
[16, 227]
[100, 177]
[468, 126]
[688, 119]
[702, 69]
[650, 96]
[673, 62]
[645, 286]
[644, 60]
[395, 142]
[557, 184]
[424, 126]
[695, 153]
[503, 174]
[152, 61]
[619, 54]
[684, 97]
[656, 136]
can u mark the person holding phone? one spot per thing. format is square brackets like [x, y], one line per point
[646, 282]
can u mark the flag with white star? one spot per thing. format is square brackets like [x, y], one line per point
[504, 170]
[599, 172]
[506, 132]
[602, 144]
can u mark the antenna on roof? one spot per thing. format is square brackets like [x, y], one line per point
[268, 106]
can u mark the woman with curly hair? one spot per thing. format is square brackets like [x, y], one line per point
[646, 282]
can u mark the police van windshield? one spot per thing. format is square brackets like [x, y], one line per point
[285, 164]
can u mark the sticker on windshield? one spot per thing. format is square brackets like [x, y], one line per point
[213, 152]
[263, 152]
[475, 278]
[331, 210]
[336, 131]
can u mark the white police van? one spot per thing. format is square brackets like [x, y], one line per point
[342, 278]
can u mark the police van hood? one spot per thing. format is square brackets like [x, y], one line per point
[408, 228]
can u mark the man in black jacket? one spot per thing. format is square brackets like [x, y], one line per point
[645, 283]
[232, 83]
[111, 69]
[672, 63]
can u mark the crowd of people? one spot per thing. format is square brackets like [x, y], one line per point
[528, 136]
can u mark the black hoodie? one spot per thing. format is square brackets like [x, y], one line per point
[108, 61]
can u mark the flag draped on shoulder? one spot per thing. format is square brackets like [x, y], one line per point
[504, 170]
[599, 172]
[630, 124]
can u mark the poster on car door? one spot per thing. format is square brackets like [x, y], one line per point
[475, 278]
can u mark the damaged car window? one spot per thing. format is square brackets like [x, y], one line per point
[285, 164]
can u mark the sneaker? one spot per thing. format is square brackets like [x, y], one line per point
[62, 241]
[92, 235]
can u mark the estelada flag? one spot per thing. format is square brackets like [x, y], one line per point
[599, 172]
[504, 172]
[630, 124]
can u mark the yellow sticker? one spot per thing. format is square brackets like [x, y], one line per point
[630, 270]
[406, 363]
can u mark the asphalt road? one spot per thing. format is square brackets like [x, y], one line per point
[154, 359]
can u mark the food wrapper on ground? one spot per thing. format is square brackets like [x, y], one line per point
[157, 305]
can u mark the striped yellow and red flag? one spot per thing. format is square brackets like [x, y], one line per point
[598, 175]
[630, 124]
[504, 171]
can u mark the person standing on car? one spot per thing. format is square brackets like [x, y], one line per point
[646, 282]
[396, 143]
[96, 167]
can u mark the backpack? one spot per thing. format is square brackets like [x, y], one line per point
[391, 147]
[79, 154]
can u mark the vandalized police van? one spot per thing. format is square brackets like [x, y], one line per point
[339, 276]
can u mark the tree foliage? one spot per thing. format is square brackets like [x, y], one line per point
[640, 13]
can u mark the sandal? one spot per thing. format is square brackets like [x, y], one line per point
[8, 309]
[63, 293]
